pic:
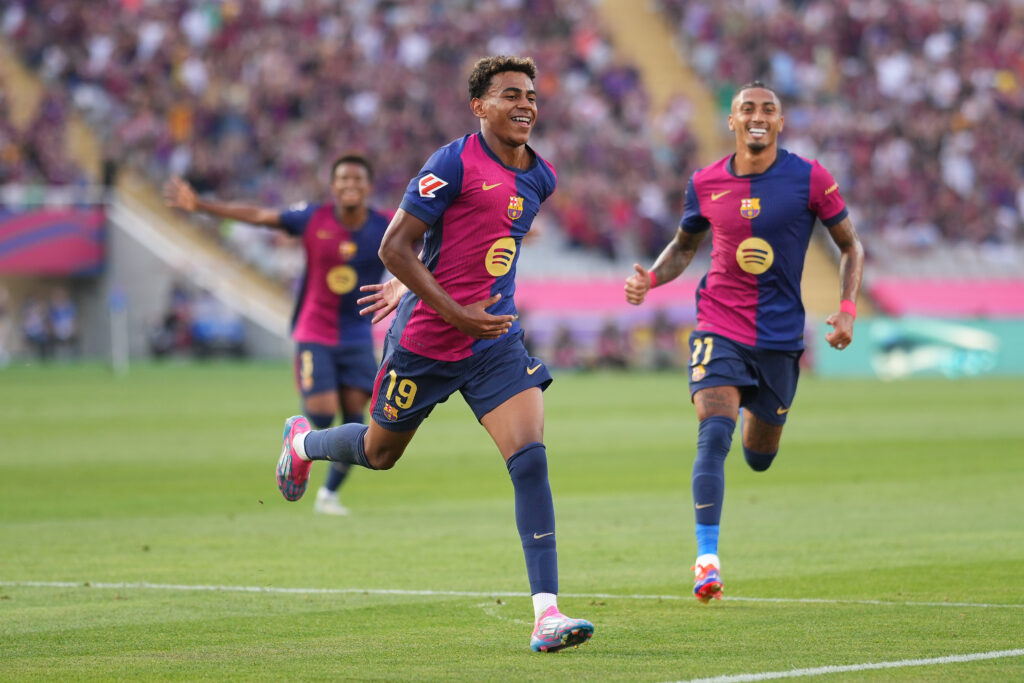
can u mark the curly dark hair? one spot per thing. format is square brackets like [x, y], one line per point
[353, 159]
[485, 69]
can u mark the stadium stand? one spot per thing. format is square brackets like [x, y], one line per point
[253, 99]
[916, 107]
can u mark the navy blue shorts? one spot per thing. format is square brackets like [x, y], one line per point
[409, 385]
[320, 368]
[766, 378]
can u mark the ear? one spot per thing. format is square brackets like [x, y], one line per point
[782, 123]
[476, 105]
[732, 126]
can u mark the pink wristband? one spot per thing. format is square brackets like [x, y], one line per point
[654, 278]
[847, 306]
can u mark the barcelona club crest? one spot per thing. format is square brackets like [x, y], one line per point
[347, 250]
[749, 208]
[515, 207]
[390, 412]
[698, 373]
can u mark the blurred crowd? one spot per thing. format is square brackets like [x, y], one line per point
[35, 154]
[46, 320]
[917, 107]
[252, 99]
[196, 324]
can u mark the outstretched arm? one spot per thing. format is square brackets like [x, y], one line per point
[851, 271]
[671, 263]
[398, 251]
[180, 195]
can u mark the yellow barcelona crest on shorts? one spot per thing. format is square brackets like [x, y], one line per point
[515, 207]
[750, 207]
[698, 373]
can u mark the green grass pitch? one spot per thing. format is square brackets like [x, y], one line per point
[890, 529]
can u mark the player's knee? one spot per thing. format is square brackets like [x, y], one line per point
[529, 463]
[758, 462]
[383, 458]
[714, 437]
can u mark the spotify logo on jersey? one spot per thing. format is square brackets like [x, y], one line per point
[342, 279]
[755, 255]
[500, 256]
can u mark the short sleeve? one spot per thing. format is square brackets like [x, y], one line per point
[825, 199]
[436, 186]
[693, 221]
[296, 217]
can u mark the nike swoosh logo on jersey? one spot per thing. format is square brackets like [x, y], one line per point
[781, 411]
[486, 187]
[701, 506]
[535, 368]
[536, 535]
[715, 196]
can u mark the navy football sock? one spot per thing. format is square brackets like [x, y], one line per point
[714, 437]
[343, 444]
[320, 421]
[336, 475]
[758, 462]
[535, 516]
[338, 472]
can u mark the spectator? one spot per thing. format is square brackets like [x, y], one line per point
[35, 327]
[63, 321]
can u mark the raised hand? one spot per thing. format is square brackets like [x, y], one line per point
[637, 285]
[179, 194]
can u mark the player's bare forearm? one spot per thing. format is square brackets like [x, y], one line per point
[851, 261]
[672, 261]
[180, 195]
[254, 215]
[851, 271]
[676, 257]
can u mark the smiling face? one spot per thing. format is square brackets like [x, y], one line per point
[350, 185]
[508, 110]
[756, 119]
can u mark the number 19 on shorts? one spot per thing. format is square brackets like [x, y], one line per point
[406, 390]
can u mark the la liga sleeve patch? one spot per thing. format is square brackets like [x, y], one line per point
[430, 184]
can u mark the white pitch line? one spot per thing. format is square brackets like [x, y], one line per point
[470, 594]
[822, 670]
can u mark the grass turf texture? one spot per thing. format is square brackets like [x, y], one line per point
[902, 493]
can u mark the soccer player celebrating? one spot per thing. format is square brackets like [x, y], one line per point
[761, 204]
[334, 359]
[456, 327]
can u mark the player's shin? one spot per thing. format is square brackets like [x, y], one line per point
[535, 516]
[343, 444]
[714, 438]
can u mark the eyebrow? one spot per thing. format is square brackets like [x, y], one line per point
[517, 91]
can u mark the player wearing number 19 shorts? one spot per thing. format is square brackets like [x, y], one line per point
[761, 205]
[456, 327]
